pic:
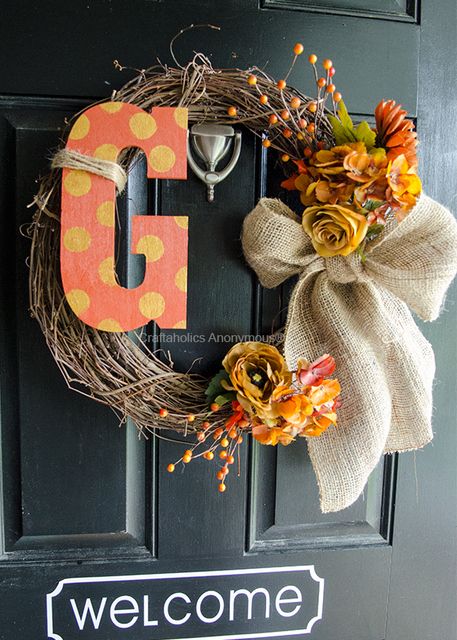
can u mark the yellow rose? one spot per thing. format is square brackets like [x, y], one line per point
[255, 370]
[334, 230]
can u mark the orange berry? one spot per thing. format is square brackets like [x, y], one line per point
[219, 431]
[239, 440]
[266, 143]
[287, 133]
[171, 468]
[232, 111]
[214, 406]
[311, 127]
[273, 119]
[223, 454]
[285, 115]
[243, 423]
[224, 442]
[312, 58]
[331, 72]
[321, 145]
[327, 64]
[222, 487]
[300, 136]
[281, 84]
[232, 433]
[308, 152]
[209, 455]
[186, 459]
[337, 96]
[321, 82]
[302, 123]
[263, 99]
[330, 88]
[252, 80]
[188, 452]
[201, 436]
[220, 475]
[285, 157]
[312, 107]
[190, 417]
[225, 470]
[163, 413]
[206, 425]
[295, 103]
[230, 459]
[298, 49]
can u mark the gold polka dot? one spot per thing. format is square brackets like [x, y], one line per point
[106, 152]
[151, 246]
[181, 279]
[152, 305]
[105, 213]
[78, 300]
[180, 116]
[182, 221]
[109, 325]
[142, 125]
[182, 324]
[162, 158]
[80, 129]
[77, 182]
[111, 107]
[106, 271]
[77, 239]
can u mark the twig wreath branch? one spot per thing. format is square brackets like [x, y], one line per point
[110, 367]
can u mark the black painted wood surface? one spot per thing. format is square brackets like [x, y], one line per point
[83, 497]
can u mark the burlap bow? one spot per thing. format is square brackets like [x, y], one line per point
[359, 313]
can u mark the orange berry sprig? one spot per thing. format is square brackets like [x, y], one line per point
[220, 443]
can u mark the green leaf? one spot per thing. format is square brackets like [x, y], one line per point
[371, 204]
[364, 134]
[361, 252]
[344, 116]
[225, 398]
[342, 133]
[374, 230]
[215, 387]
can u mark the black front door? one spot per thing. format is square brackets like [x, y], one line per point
[97, 539]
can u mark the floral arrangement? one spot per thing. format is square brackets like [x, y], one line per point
[267, 400]
[351, 179]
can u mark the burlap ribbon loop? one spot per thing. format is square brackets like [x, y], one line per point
[359, 313]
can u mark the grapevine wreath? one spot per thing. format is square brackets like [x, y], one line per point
[358, 247]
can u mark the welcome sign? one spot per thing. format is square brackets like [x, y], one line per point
[222, 605]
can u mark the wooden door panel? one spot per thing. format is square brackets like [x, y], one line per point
[87, 492]
[83, 497]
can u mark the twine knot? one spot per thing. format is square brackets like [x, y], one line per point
[66, 159]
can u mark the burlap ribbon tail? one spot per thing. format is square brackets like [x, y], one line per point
[359, 313]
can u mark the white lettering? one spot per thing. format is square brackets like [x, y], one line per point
[198, 607]
[280, 601]
[114, 612]
[146, 621]
[166, 607]
[88, 609]
[250, 596]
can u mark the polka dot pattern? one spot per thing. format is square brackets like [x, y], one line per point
[106, 152]
[142, 125]
[77, 239]
[78, 300]
[151, 246]
[88, 222]
[152, 305]
[77, 183]
[162, 158]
